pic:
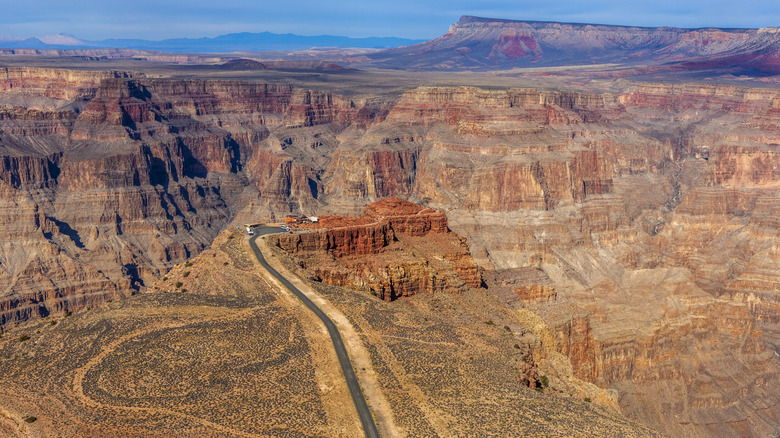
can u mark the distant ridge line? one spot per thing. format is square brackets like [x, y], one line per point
[475, 19]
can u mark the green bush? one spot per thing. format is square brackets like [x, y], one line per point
[545, 381]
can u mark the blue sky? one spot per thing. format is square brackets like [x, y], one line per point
[422, 19]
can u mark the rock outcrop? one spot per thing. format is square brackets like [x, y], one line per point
[396, 249]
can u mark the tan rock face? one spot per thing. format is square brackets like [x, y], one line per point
[101, 199]
[650, 212]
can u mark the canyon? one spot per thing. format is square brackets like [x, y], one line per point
[626, 227]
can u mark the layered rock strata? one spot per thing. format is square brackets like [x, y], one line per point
[396, 249]
[651, 211]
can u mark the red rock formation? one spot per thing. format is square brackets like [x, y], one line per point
[390, 233]
[652, 210]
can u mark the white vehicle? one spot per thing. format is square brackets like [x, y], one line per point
[251, 233]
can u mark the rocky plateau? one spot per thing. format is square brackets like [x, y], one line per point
[476, 43]
[629, 229]
[396, 249]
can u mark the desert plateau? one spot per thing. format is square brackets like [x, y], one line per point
[518, 229]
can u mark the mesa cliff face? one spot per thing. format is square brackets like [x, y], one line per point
[639, 225]
[396, 249]
[476, 43]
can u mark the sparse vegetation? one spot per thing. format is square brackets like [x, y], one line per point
[544, 381]
[179, 284]
[186, 274]
[30, 419]
[23, 338]
[587, 399]
[490, 322]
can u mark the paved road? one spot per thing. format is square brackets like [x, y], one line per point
[346, 366]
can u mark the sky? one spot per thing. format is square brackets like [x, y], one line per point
[417, 19]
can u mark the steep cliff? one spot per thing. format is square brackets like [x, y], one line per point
[109, 178]
[639, 226]
[476, 43]
[396, 249]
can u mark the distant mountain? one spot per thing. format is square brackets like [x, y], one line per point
[236, 42]
[488, 44]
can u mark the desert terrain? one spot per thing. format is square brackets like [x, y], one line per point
[524, 247]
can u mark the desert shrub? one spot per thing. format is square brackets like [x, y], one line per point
[518, 347]
[186, 274]
[545, 381]
[31, 419]
[587, 399]
[179, 284]
[23, 338]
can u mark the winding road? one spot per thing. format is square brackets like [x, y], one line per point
[338, 344]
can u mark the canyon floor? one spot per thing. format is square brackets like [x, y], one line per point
[585, 250]
[215, 350]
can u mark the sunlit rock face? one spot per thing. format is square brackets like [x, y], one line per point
[650, 213]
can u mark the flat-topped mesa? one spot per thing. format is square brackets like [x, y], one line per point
[56, 83]
[381, 222]
[396, 249]
[475, 43]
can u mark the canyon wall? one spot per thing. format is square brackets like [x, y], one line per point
[650, 213]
